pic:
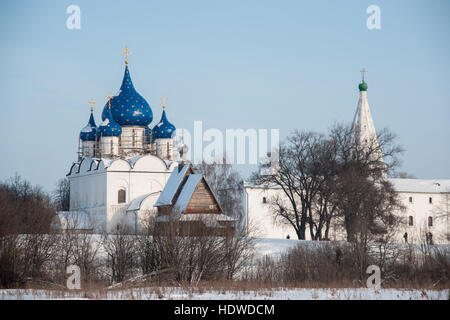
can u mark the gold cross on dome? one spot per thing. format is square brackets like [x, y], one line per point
[92, 102]
[126, 52]
[363, 71]
[164, 100]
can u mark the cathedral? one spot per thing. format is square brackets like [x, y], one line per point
[129, 171]
[427, 202]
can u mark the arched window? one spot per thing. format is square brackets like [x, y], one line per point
[264, 200]
[430, 221]
[410, 199]
[121, 196]
[411, 221]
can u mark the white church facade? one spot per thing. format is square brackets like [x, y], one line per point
[124, 166]
[427, 202]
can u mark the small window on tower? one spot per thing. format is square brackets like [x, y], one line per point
[121, 196]
[264, 200]
[411, 221]
[430, 200]
[410, 199]
[430, 221]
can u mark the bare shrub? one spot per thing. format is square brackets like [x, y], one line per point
[25, 246]
[120, 249]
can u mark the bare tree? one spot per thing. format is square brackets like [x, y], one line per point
[238, 250]
[315, 172]
[120, 249]
[306, 164]
[26, 248]
[61, 195]
[148, 251]
[226, 183]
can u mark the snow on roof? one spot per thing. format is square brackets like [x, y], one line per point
[400, 185]
[133, 160]
[187, 191]
[87, 129]
[421, 185]
[252, 184]
[79, 220]
[136, 202]
[107, 162]
[171, 187]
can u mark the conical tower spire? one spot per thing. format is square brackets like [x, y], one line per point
[363, 128]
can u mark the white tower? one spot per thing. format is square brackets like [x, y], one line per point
[363, 129]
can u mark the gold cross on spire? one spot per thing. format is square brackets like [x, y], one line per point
[363, 71]
[126, 52]
[92, 102]
[164, 100]
[109, 100]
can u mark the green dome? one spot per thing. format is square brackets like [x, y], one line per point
[363, 86]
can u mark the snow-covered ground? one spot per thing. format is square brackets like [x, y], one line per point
[175, 293]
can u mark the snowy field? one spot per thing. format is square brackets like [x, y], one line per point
[174, 293]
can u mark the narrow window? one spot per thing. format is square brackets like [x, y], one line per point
[430, 221]
[410, 199]
[264, 200]
[411, 221]
[430, 200]
[121, 198]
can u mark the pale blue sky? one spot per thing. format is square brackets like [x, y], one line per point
[233, 64]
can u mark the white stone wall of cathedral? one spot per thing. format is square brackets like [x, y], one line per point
[420, 209]
[135, 184]
[260, 214]
[109, 146]
[96, 191]
[87, 191]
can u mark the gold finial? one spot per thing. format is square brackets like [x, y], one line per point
[363, 71]
[109, 100]
[92, 102]
[126, 52]
[164, 102]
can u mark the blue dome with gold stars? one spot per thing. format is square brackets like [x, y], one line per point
[129, 108]
[164, 129]
[89, 132]
[109, 127]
